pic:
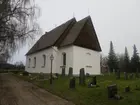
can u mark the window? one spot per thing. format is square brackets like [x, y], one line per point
[88, 53]
[64, 58]
[34, 62]
[44, 60]
[89, 66]
[29, 63]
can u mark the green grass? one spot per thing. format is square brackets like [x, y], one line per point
[83, 95]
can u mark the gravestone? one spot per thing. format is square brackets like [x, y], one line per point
[137, 74]
[63, 71]
[72, 83]
[127, 89]
[87, 75]
[137, 88]
[112, 91]
[131, 76]
[56, 74]
[70, 71]
[125, 76]
[25, 73]
[114, 71]
[82, 77]
[118, 74]
[94, 81]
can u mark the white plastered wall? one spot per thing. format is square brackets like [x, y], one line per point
[76, 57]
[39, 61]
[87, 59]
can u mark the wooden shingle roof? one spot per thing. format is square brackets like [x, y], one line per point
[69, 33]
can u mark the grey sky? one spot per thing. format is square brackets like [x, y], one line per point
[116, 20]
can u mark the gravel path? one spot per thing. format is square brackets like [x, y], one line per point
[14, 91]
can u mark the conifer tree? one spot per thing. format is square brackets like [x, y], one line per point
[135, 60]
[126, 61]
[112, 59]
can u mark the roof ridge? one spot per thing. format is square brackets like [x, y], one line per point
[86, 19]
[66, 31]
[62, 24]
[50, 38]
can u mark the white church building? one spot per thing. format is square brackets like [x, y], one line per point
[72, 44]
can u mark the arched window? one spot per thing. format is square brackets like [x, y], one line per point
[44, 60]
[29, 63]
[34, 62]
[64, 58]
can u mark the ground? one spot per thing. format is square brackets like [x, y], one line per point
[15, 91]
[82, 95]
[23, 93]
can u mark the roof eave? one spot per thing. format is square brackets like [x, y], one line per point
[38, 50]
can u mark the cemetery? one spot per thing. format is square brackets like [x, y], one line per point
[118, 88]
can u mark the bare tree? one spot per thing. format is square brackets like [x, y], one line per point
[17, 24]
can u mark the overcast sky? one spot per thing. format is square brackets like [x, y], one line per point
[114, 20]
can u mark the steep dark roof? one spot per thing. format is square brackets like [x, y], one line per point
[50, 38]
[79, 33]
[74, 32]
[87, 37]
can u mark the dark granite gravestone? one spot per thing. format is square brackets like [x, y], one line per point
[137, 74]
[127, 89]
[118, 74]
[25, 73]
[82, 77]
[70, 71]
[125, 76]
[72, 83]
[94, 81]
[112, 90]
[56, 74]
[87, 75]
[63, 71]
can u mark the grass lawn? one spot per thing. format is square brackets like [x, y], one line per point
[83, 95]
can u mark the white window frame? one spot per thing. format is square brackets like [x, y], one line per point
[44, 60]
[34, 62]
[29, 62]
